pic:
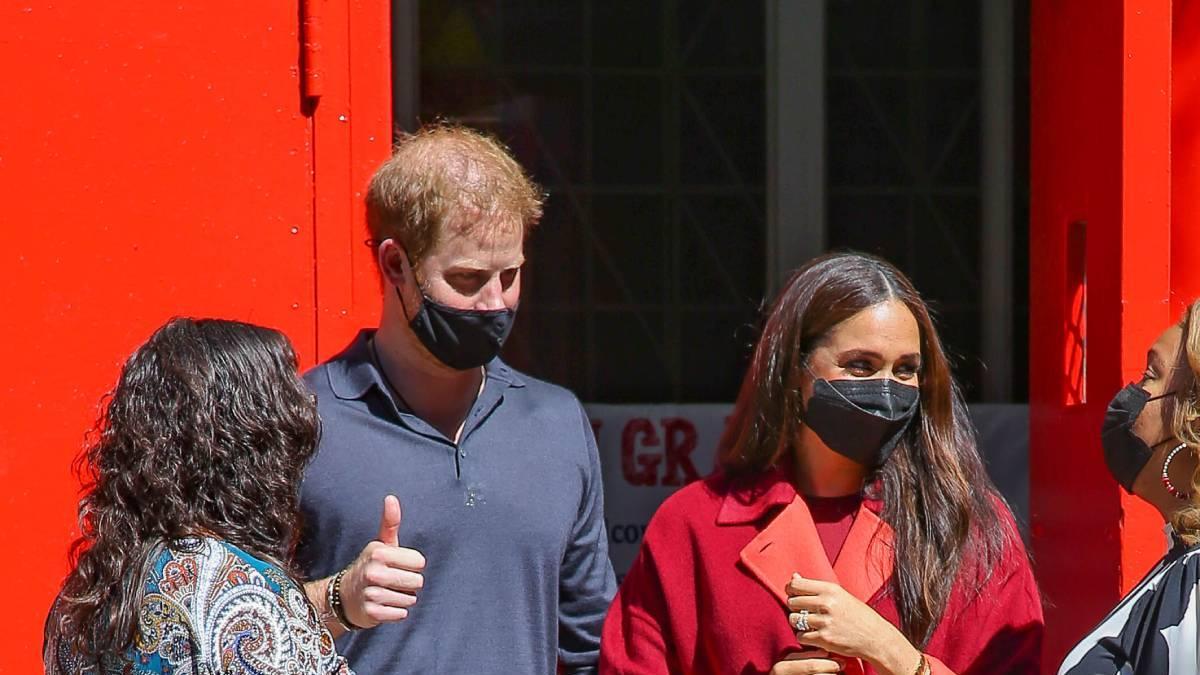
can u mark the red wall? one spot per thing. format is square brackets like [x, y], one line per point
[156, 160]
[1101, 164]
[1185, 157]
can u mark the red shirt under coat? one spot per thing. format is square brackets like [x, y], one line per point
[706, 592]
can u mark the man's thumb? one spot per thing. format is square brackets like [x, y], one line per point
[389, 522]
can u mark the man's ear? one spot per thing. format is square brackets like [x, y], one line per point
[392, 262]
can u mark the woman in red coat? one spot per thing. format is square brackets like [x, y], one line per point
[851, 526]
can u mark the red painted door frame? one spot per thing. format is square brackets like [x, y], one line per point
[352, 134]
[1185, 156]
[1112, 261]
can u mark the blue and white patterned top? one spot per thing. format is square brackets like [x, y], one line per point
[209, 608]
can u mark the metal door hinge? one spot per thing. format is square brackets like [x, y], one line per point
[312, 61]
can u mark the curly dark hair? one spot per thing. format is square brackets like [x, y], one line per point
[207, 433]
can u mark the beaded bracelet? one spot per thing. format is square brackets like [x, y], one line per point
[329, 613]
[334, 598]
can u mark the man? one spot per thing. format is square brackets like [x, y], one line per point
[498, 472]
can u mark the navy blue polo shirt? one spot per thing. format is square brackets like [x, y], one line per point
[510, 520]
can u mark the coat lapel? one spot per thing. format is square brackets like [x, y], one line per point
[790, 543]
[865, 562]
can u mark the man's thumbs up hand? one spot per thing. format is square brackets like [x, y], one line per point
[381, 585]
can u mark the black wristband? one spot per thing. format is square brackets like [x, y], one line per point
[335, 602]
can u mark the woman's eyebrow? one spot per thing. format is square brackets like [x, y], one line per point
[859, 353]
[1153, 358]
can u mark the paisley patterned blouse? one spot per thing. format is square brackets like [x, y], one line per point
[211, 608]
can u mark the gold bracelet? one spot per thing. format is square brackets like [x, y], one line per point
[922, 666]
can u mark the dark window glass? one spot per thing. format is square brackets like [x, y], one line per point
[645, 122]
[903, 159]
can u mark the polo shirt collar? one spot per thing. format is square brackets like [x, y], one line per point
[499, 370]
[352, 373]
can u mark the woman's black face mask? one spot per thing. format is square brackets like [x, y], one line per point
[862, 420]
[1124, 452]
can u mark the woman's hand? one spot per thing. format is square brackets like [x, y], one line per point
[807, 662]
[840, 623]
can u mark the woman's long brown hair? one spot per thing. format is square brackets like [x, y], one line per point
[936, 495]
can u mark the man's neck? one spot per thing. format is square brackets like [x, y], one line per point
[440, 396]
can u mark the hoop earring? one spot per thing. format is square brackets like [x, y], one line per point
[1166, 479]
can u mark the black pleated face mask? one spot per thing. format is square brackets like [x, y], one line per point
[461, 338]
[1125, 453]
[863, 420]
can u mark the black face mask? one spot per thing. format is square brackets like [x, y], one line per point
[863, 420]
[460, 338]
[1125, 453]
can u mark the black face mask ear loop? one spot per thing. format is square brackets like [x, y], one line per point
[400, 295]
[1163, 442]
[812, 377]
[1155, 398]
[1168, 439]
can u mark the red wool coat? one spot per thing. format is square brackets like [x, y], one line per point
[706, 593]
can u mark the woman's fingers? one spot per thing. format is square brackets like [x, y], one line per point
[806, 663]
[799, 585]
[815, 604]
[815, 622]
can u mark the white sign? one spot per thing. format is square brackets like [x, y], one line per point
[646, 453]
